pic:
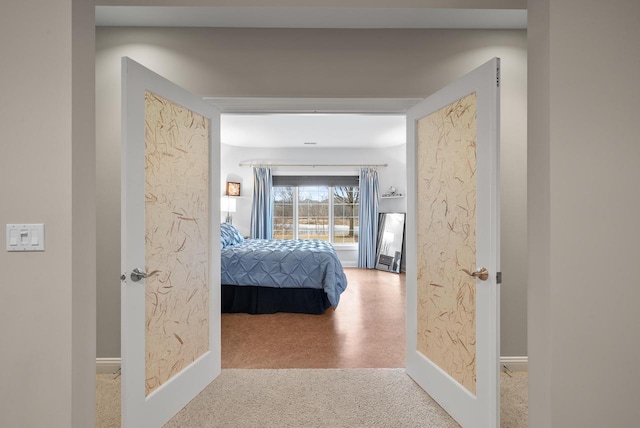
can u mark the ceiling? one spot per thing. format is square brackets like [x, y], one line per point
[313, 122]
[310, 124]
[313, 130]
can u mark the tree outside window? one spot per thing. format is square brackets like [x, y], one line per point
[283, 212]
[346, 200]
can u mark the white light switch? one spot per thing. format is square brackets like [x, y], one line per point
[25, 237]
[13, 237]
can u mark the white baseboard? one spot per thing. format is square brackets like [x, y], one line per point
[353, 264]
[515, 364]
[107, 365]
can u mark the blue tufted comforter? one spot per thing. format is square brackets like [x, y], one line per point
[299, 263]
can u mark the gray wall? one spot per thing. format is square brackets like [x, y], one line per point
[313, 63]
[584, 157]
[47, 167]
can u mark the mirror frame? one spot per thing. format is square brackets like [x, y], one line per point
[386, 262]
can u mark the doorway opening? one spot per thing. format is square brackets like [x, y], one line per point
[330, 132]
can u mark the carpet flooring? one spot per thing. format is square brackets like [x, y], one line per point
[315, 398]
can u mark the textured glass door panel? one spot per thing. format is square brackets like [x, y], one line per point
[446, 226]
[176, 238]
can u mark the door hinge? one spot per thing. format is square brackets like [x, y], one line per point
[499, 278]
[498, 76]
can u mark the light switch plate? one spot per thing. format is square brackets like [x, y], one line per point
[25, 237]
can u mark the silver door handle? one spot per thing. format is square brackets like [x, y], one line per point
[136, 275]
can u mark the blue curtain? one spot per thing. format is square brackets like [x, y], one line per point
[262, 206]
[368, 228]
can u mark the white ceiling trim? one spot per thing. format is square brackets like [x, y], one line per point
[310, 17]
[312, 105]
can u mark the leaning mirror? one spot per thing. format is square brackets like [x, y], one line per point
[390, 241]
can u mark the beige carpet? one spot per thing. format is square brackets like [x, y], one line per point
[314, 398]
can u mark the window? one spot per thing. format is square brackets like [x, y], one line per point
[346, 201]
[313, 212]
[329, 213]
[283, 212]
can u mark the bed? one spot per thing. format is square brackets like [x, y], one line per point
[262, 276]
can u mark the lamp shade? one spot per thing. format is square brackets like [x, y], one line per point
[228, 204]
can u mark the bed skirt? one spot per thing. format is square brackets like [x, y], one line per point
[268, 300]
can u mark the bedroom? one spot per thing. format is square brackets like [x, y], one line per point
[341, 139]
[253, 63]
[347, 139]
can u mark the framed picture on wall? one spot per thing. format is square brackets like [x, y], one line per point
[233, 189]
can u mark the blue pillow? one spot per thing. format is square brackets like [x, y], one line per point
[236, 237]
[229, 235]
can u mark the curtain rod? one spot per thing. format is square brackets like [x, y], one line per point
[312, 165]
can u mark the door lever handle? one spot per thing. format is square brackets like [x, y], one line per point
[137, 275]
[481, 273]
